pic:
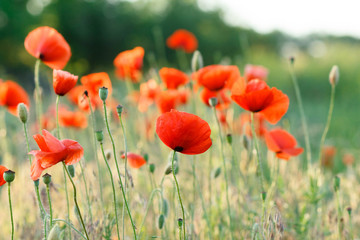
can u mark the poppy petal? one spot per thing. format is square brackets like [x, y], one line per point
[278, 106]
[53, 144]
[74, 151]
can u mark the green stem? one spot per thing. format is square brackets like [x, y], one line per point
[194, 193]
[38, 100]
[50, 206]
[75, 200]
[225, 172]
[113, 189]
[86, 191]
[302, 115]
[126, 173]
[57, 116]
[70, 225]
[117, 168]
[11, 213]
[45, 230]
[339, 213]
[328, 122]
[178, 191]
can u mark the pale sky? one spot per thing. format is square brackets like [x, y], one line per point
[297, 18]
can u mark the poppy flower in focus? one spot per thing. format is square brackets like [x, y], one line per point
[129, 63]
[63, 82]
[184, 132]
[243, 124]
[173, 78]
[170, 99]
[282, 143]
[134, 160]
[255, 72]
[217, 77]
[223, 100]
[2, 170]
[258, 97]
[46, 44]
[11, 94]
[327, 156]
[53, 151]
[182, 39]
[75, 119]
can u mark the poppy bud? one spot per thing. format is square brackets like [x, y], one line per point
[216, 172]
[46, 178]
[246, 142]
[213, 101]
[229, 138]
[349, 210]
[36, 183]
[119, 110]
[168, 169]
[161, 221]
[152, 167]
[165, 207]
[108, 154]
[9, 176]
[180, 222]
[22, 112]
[103, 93]
[71, 169]
[146, 157]
[292, 59]
[54, 233]
[99, 136]
[334, 75]
[336, 183]
[263, 196]
[197, 61]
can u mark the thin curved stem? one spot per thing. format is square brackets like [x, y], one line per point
[117, 168]
[50, 206]
[225, 172]
[11, 213]
[113, 188]
[38, 93]
[75, 199]
[70, 225]
[126, 174]
[178, 191]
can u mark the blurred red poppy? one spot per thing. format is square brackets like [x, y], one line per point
[348, 159]
[182, 39]
[255, 72]
[258, 97]
[63, 81]
[128, 64]
[147, 95]
[75, 119]
[53, 151]
[217, 77]
[243, 124]
[11, 94]
[170, 99]
[173, 78]
[184, 132]
[223, 100]
[46, 44]
[327, 156]
[2, 170]
[282, 143]
[134, 160]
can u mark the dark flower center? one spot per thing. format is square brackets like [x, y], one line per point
[178, 148]
[41, 56]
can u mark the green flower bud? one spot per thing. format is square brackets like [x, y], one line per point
[336, 183]
[229, 138]
[9, 176]
[46, 178]
[213, 101]
[103, 93]
[71, 169]
[246, 142]
[152, 167]
[54, 233]
[161, 221]
[22, 112]
[165, 207]
[196, 61]
[119, 110]
[263, 196]
[168, 169]
[334, 75]
[349, 210]
[146, 157]
[99, 135]
[216, 172]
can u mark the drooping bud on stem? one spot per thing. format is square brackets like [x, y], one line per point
[196, 61]
[71, 169]
[161, 221]
[46, 178]
[103, 93]
[334, 75]
[22, 112]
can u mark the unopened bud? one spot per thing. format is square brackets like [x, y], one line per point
[216, 172]
[71, 169]
[349, 210]
[9, 176]
[152, 167]
[165, 207]
[229, 138]
[334, 75]
[99, 135]
[46, 178]
[161, 221]
[108, 154]
[168, 169]
[54, 233]
[336, 183]
[263, 196]
[103, 93]
[119, 110]
[22, 112]
[146, 157]
[213, 101]
[196, 61]
[246, 142]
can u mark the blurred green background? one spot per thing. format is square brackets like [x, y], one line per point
[98, 30]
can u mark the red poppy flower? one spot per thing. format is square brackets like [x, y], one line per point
[53, 151]
[184, 132]
[11, 94]
[75, 119]
[128, 64]
[217, 77]
[46, 44]
[149, 89]
[255, 72]
[282, 143]
[134, 160]
[2, 170]
[173, 78]
[223, 100]
[170, 99]
[63, 81]
[258, 97]
[182, 39]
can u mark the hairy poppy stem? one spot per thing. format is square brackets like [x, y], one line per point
[75, 200]
[86, 191]
[302, 115]
[38, 100]
[11, 213]
[117, 168]
[328, 122]
[57, 116]
[50, 206]
[225, 172]
[113, 189]
[339, 217]
[178, 190]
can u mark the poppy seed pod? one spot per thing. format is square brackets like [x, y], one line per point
[99, 135]
[71, 169]
[152, 167]
[119, 110]
[22, 112]
[197, 61]
[263, 196]
[336, 183]
[9, 176]
[180, 222]
[161, 221]
[213, 101]
[36, 183]
[103, 93]
[334, 75]
[229, 138]
[349, 210]
[46, 178]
